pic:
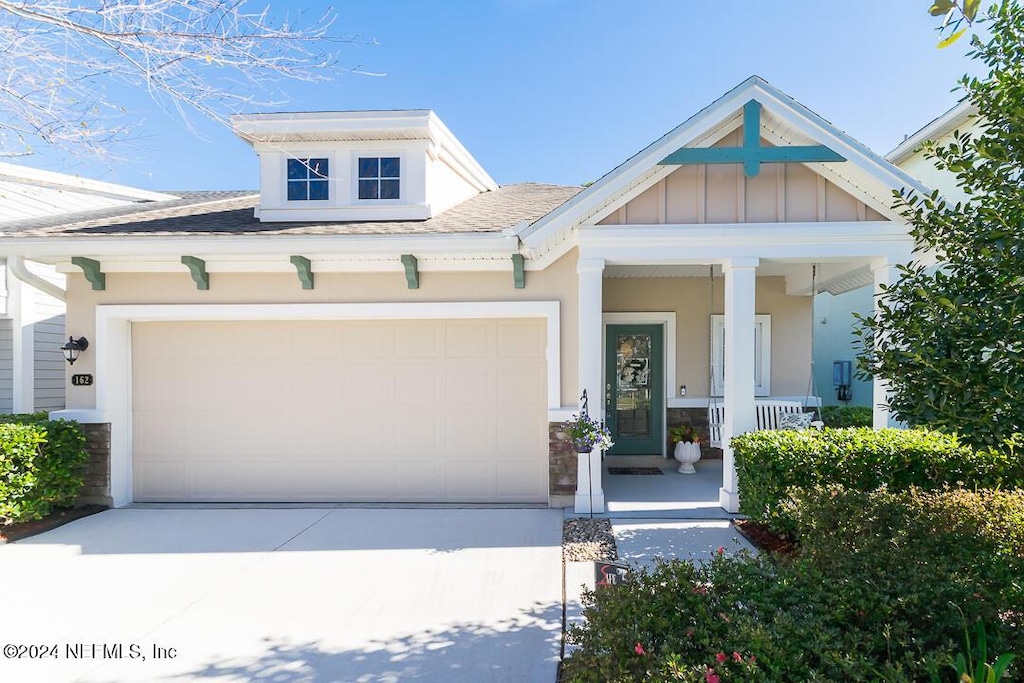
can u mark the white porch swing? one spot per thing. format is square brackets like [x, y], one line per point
[769, 413]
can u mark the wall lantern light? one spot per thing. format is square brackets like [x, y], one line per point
[73, 348]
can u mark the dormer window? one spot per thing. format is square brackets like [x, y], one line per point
[307, 180]
[379, 177]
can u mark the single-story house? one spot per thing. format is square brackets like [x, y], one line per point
[383, 322]
[32, 373]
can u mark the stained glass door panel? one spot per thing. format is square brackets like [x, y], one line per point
[635, 388]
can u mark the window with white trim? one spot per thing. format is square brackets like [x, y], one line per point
[379, 177]
[762, 355]
[307, 180]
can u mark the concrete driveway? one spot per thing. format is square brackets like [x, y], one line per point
[286, 595]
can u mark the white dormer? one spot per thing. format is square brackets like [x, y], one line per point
[359, 166]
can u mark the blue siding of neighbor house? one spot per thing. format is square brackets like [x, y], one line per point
[834, 340]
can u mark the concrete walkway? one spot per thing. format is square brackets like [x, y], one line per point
[287, 595]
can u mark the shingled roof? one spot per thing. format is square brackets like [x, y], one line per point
[231, 213]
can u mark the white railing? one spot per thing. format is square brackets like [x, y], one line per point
[767, 413]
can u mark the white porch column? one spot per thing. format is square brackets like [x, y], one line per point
[882, 269]
[589, 493]
[740, 283]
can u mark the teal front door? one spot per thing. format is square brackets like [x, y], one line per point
[635, 388]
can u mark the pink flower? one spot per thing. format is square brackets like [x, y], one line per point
[737, 656]
[711, 677]
[721, 658]
[689, 633]
[700, 590]
[721, 550]
[752, 658]
[639, 649]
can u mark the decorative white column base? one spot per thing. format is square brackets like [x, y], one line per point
[729, 500]
[589, 494]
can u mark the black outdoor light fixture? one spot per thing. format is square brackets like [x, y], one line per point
[73, 348]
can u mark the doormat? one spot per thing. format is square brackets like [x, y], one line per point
[634, 470]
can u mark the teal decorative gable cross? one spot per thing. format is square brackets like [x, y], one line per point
[751, 154]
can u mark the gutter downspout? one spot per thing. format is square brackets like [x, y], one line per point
[16, 265]
[23, 351]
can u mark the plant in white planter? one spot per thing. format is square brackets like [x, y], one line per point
[587, 434]
[687, 447]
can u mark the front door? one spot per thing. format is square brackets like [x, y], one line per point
[635, 389]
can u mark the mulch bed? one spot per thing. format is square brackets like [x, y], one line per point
[763, 538]
[58, 517]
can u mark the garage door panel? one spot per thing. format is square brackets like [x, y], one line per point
[518, 384]
[517, 480]
[471, 480]
[420, 339]
[521, 339]
[370, 340]
[164, 437]
[468, 339]
[470, 383]
[393, 411]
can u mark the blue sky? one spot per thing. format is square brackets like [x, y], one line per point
[563, 91]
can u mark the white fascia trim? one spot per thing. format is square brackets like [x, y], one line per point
[27, 175]
[702, 244]
[383, 264]
[807, 122]
[255, 128]
[114, 350]
[945, 123]
[666, 318]
[254, 245]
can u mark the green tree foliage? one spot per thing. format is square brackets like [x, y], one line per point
[951, 340]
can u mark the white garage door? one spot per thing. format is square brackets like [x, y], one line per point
[439, 410]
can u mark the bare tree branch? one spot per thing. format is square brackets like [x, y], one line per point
[212, 57]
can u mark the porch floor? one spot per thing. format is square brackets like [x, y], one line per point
[669, 496]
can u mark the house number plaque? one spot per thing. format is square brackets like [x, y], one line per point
[81, 380]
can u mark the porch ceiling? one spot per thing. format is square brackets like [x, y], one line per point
[834, 277]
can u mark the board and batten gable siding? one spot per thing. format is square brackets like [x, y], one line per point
[713, 193]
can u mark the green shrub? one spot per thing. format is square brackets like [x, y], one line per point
[847, 416]
[40, 465]
[768, 463]
[855, 603]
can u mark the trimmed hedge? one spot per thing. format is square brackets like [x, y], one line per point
[769, 462]
[881, 589]
[847, 416]
[40, 465]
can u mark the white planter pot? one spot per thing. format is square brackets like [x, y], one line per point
[687, 454]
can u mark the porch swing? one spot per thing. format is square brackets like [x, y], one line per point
[769, 414]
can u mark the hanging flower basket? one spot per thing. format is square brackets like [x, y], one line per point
[587, 434]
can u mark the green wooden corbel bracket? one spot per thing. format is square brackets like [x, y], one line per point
[305, 270]
[197, 267]
[92, 271]
[519, 271]
[412, 273]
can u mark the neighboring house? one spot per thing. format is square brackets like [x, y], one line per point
[834, 338]
[383, 322]
[32, 373]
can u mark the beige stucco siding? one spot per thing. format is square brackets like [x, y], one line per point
[723, 194]
[689, 298]
[556, 283]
